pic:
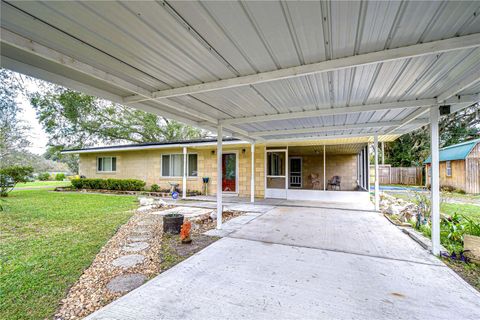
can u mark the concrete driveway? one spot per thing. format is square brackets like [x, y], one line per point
[305, 263]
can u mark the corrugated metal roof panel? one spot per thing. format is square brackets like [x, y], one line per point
[456, 152]
[158, 45]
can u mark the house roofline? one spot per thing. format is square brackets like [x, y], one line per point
[155, 145]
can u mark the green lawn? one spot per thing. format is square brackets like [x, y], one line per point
[42, 184]
[467, 210]
[47, 239]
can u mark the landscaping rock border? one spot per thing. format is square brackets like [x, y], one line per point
[91, 292]
[115, 272]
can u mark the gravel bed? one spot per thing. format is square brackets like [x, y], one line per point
[90, 292]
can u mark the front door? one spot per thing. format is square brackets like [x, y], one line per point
[295, 171]
[229, 172]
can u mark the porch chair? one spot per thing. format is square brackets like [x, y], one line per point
[335, 183]
[316, 181]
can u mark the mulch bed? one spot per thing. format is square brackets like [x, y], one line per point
[120, 192]
[469, 272]
[90, 293]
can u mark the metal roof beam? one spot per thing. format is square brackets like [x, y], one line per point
[411, 119]
[46, 53]
[369, 136]
[459, 87]
[331, 128]
[463, 99]
[38, 73]
[417, 50]
[327, 111]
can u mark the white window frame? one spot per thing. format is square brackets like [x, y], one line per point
[111, 164]
[170, 164]
[448, 168]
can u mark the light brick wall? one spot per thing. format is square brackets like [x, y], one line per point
[146, 165]
[344, 166]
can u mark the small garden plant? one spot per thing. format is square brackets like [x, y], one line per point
[10, 176]
[452, 232]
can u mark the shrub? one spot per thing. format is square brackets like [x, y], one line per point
[460, 191]
[44, 176]
[10, 176]
[155, 188]
[447, 188]
[109, 184]
[60, 176]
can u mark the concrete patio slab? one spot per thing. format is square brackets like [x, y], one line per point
[236, 278]
[263, 205]
[357, 232]
[304, 263]
[233, 225]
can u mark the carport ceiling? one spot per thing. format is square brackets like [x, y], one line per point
[271, 70]
[352, 148]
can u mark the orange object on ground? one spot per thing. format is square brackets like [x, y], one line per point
[185, 230]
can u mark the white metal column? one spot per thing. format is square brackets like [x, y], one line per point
[324, 170]
[184, 180]
[383, 152]
[435, 191]
[252, 177]
[219, 177]
[377, 180]
[287, 175]
[367, 162]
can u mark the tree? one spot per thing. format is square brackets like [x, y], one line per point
[10, 176]
[75, 120]
[413, 148]
[13, 131]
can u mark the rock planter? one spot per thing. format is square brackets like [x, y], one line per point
[172, 223]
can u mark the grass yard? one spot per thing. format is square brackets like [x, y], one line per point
[42, 184]
[464, 208]
[468, 210]
[47, 239]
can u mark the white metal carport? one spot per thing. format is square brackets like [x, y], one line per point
[262, 71]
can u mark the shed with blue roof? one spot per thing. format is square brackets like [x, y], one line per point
[459, 166]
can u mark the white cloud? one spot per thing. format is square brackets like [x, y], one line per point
[37, 135]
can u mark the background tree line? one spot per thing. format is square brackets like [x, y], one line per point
[413, 148]
[73, 120]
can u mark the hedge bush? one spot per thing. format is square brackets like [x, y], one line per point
[109, 184]
[60, 176]
[44, 176]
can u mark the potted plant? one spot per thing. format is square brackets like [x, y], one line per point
[172, 223]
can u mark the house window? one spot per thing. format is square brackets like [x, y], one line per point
[276, 162]
[172, 165]
[107, 164]
[449, 168]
